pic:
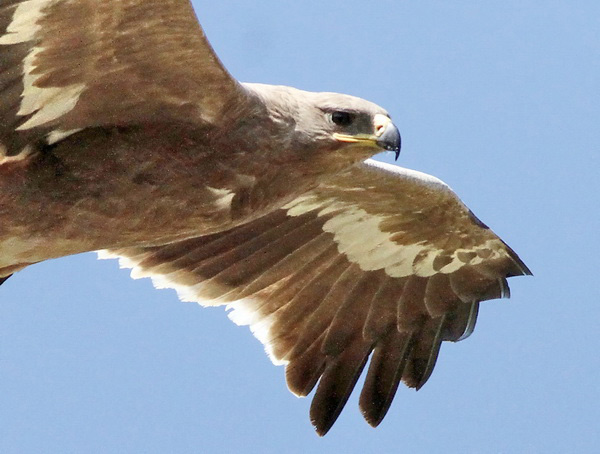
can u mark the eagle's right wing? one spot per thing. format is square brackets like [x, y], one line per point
[379, 259]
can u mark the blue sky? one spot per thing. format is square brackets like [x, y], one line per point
[500, 100]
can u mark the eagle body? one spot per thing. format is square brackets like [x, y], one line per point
[124, 134]
[155, 183]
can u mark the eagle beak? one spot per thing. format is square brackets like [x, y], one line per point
[386, 135]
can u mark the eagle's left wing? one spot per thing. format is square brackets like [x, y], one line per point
[379, 259]
[72, 64]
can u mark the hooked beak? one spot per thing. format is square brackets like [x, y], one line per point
[390, 139]
[386, 137]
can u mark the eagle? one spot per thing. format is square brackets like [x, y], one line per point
[122, 132]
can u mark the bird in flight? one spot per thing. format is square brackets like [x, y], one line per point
[121, 132]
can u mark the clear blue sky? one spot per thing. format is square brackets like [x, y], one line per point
[500, 99]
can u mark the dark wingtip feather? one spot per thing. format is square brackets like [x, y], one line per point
[522, 269]
[3, 279]
[384, 375]
[424, 354]
[336, 385]
[428, 370]
[471, 321]
[303, 372]
[329, 402]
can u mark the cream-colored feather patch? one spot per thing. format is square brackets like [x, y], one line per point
[24, 24]
[44, 104]
[360, 238]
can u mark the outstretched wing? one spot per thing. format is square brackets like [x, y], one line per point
[379, 259]
[70, 64]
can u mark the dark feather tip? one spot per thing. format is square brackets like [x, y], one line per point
[3, 279]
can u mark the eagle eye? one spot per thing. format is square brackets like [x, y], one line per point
[342, 118]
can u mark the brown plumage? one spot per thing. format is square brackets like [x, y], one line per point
[124, 133]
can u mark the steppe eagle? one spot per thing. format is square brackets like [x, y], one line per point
[122, 132]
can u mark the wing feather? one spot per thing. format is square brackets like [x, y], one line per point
[384, 375]
[336, 384]
[460, 323]
[303, 372]
[383, 313]
[411, 304]
[425, 353]
[349, 319]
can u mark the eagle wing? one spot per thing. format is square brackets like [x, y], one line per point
[67, 65]
[377, 260]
